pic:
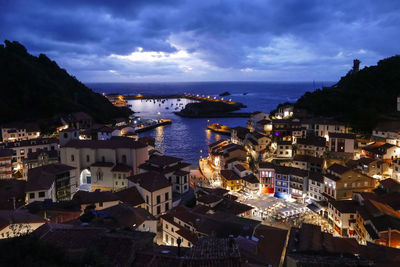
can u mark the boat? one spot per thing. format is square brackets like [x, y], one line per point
[219, 128]
[167, 108]
[245, 93]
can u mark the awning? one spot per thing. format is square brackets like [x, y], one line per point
[314, 208]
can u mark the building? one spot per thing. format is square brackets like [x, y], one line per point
[131, 197]
[285, 111]
[322, 127]
[309, 163]
[54, 181]
[340, 182]
[96, 200]
[231, 181]
[77, 120]
[315, 186]
[257, 121]
[155, 189]
[380, 150]
[290, 182]
[39, 158]
[23, 148]
[137, 219]
[257, 141]
[341, 146]
[284, 149]
[342, 214]
[238, 135]
[174, 169]
[12, 194]
[266, 176]
[376, 221]
[104, 164]
[6, 170]
[19, 131]
[18, 223]
[222, 152]
[311, 145]
[371, 167]
[388, 131]
[251, 184]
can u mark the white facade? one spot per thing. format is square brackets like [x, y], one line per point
[12, 134]
[315, 189]
[83, 157]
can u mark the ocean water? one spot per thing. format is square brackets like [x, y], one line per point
[188, 138]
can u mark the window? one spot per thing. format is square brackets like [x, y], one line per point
[99, 175]
[166, 226]
[185, 179]
[31, 195]
[100, 204]
[158, 210]
[72, 158]
[177, 180]
[167, 196]
[158, 199]
[41, 194]
[147, 199]
[103, 159]
[87, 158]
[124, 159]
[166, 206]
[177, 187]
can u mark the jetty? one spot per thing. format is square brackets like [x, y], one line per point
[151, 125]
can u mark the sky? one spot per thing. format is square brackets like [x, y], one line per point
[205, 40]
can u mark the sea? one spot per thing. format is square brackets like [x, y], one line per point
[188, 138]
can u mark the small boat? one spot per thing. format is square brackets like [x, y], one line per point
[245, 93]
[178, 99]
[167, 108]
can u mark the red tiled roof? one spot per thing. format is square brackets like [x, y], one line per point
[339, 169]
[229, 175]
[163, 160]
[119, 167]
[151, 181]
[130, 196]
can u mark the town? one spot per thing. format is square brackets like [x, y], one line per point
[261, 196]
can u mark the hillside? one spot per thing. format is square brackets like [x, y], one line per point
[36, 88]
[359, 98]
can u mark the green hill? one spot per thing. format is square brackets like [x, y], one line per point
[359, 98]
[36, 88]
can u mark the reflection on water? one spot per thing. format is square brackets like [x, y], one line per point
[185, 137]
[160, 139]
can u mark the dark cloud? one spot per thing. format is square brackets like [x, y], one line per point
[237, 38]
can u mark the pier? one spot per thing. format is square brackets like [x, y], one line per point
[149, 126]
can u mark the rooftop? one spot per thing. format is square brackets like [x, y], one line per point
[112, 143]
[41, 178]
[150, 181]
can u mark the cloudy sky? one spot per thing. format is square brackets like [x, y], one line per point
[205, 40]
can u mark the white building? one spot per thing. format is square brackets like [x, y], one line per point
[19, 131]
[312, 146]
[315, 186]
[104, 164]
[284, 149]
[23, 148]
[174, 169]
[54, 181]
[156, 191]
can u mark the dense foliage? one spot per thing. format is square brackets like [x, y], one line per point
[359, 98]
[35, 88]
